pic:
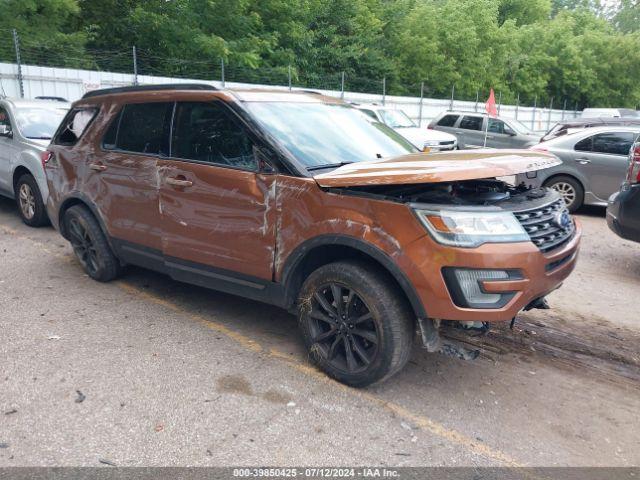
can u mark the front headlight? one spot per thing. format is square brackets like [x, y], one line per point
[431, 143]
[472, 228]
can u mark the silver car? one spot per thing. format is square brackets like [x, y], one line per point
[26, 128]
[594, 164]
[470, 129]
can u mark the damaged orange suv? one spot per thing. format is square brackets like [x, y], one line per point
[298, 200]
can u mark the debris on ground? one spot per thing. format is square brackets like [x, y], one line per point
[11, 412]
[81, 396]
[107, 462]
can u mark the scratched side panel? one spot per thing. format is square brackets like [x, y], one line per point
[225, 220]
[306, 211]
[126, 193]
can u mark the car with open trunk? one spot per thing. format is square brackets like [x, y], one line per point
[300, 201]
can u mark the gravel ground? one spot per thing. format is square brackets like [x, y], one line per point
[147, 371]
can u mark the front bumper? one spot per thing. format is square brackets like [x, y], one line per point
[441, 147]
[538, 274]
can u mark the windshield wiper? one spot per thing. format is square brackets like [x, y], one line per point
[327, 165]
[39, 138]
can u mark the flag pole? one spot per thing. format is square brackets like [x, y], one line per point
[486, 131]
[490, 107]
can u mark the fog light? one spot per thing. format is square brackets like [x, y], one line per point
[469, 281]
[465, 286]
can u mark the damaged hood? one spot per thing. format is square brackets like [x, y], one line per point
[438, 167]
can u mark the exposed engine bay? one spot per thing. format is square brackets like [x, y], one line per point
[484, 192]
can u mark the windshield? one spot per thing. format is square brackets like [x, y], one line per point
[396, 119]
[39, 123]
[320, 134]
[520, 127]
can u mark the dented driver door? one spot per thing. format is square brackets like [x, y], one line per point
[218, 213]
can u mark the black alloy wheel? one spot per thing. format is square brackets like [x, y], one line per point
[343, 329]
[83, 245]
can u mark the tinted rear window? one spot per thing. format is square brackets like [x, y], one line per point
[614, 143]
[448, 120]
[471, 123]
[141, 128]
[584, 145]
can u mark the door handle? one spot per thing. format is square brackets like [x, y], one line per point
[97, 167]
[583, 161]
[179, 182]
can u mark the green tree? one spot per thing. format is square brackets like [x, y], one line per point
[627, 18]
[47, 32]
[524, 12]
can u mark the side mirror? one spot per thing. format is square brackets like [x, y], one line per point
[5, 131]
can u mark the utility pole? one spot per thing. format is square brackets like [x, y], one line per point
[499, 101]
[549, 116]
[421, 99]
[533, 119]
[342, 86]
[475, 108]
[453, 92]
[289, 77]
[564, 107]
[16, 44]
[517, 105]
[222, 71]
[135, 66]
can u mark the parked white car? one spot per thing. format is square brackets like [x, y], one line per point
[26, 128]
[422, 137]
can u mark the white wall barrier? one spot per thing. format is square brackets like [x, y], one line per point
[73, 84]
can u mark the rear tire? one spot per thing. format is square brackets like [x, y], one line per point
[570, 189]
[364, 338]
[90, 244]
[29, 199]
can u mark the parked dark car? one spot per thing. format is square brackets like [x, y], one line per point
[623, 211]
[572, 125]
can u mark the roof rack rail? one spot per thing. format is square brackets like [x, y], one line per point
[150, 88]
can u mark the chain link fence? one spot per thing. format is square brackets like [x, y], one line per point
[39, 69]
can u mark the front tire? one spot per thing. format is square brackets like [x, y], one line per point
[570, 189]
[357, 328]
[29, 199]
[90, 244]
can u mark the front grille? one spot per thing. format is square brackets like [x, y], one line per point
[448, 142]
[547, 226]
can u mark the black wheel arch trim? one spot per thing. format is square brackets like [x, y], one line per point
[301, 252]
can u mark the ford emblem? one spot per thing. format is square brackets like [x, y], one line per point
[562, 219]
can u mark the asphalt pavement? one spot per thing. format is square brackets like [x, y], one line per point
[145, 371]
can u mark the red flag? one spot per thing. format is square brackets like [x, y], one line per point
[490, 106]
